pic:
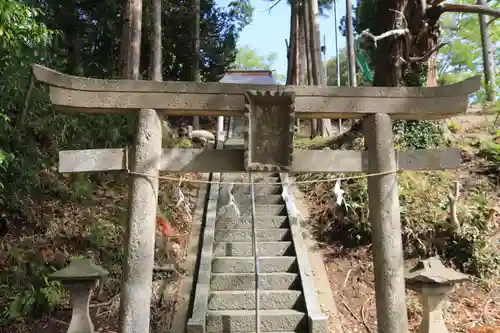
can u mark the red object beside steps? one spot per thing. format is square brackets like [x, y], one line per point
[165, 227]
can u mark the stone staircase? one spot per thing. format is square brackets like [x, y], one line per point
[229, 293]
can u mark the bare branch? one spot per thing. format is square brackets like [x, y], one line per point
[474, 9]
[395, 32]
[426, 57]
[271, 7]
[492, 20]
[453, 199]
[438, 2]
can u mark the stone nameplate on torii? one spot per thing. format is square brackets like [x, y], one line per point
[268, 135]
[269, 112]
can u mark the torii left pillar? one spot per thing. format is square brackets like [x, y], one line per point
[140, 231]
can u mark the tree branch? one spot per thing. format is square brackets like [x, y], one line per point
[271, 7]
[492, 20]
[437, 2]
[474, 9]
[395, 32]
[426, 56]
[453, 199]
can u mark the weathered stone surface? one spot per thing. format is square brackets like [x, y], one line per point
[386, 225]
[246, 281]
[271, 199]
[262, 222]
[431, 272]
[263, 210]
[432, 299]
[433, 281]
[202, 99]
[79, 269]
[80, 277]
[245, 300]
[318, 322]
[246, 264]
[244, 321]
[210, 160]
[245, 248]
[197, 321]
[135, 297]
[245, 235]
[80, 297]
[269, 120]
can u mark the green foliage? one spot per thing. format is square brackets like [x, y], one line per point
[41, 209]
[454, 127]
[491, 151]
[21, 36]
[417, 134]
[248, 59]
[461, 57]
[242, 11]
[44, 298]
[324, 6]
[408, 134]
[331, 71]
[20, 31]
[424, 217]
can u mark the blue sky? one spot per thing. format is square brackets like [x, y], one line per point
[268, 31]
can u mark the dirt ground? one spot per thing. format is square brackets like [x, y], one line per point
[472, 304]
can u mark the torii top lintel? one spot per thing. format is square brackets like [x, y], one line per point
[79, 94]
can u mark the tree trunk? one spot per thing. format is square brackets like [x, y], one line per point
[302, 75]
[155, 66]
[307, 45]
[195, 66]
[314, 36]
[432, 71]
[488, 56]
[293, 50]
[291, 78]
[74, 65]
[130, 48]
[323, 125]
[308, 55]
[390, 55]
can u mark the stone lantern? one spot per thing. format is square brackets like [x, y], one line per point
[433, 281]
[80, 277]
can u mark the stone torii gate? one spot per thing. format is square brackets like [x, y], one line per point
[269, 113]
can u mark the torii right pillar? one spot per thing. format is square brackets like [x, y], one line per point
[386, 228]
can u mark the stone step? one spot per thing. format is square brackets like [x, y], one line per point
[246, 281]
[261, 189]
[261, 222]
[245, 249]
[283, 264]
[242, 192]
[244, 321]
[264, 210]
[244, 203]
[243, 177]
[268, 199]
[258, 179]
[245, 300]
[245, 235]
